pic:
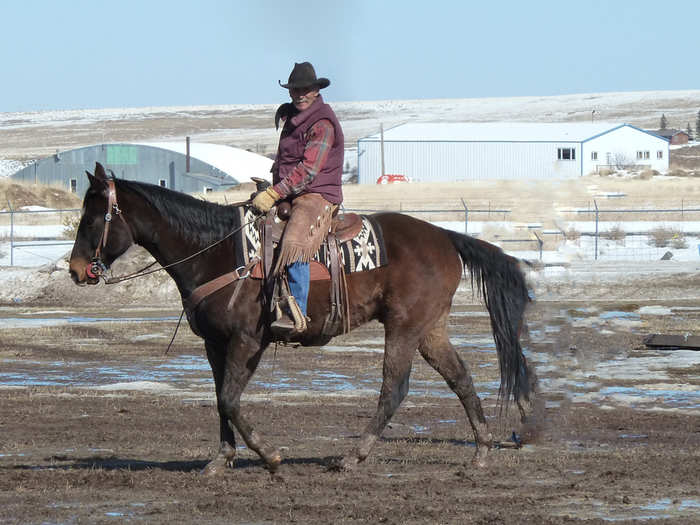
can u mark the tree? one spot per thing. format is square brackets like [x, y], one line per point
[689, 131]
[664, 122]
[697, 124]
[620, 161]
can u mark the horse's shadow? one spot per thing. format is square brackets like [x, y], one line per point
[111, 463]
[136, 465]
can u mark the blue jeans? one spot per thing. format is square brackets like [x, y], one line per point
[298, 277]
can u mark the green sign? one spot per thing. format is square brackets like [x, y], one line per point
[122, 155]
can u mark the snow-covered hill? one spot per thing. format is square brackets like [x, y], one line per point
[30, 135]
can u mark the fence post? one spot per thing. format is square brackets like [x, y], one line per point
[466, 216]
[596, 229]
[12, 233]
[540, 242]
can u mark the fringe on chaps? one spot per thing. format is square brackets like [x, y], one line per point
[308, 226]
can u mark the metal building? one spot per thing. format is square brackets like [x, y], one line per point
[425, 152]
[181, 166]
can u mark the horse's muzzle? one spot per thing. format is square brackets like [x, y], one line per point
[81, 273]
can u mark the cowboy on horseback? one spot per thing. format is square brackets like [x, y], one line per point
[307, 172]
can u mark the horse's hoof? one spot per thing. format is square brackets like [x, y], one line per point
[217, 466]
[342, 464]
[479, 459]
[273, 462]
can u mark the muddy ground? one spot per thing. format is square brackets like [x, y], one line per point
[99, 425]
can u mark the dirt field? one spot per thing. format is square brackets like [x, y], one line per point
[100, 426]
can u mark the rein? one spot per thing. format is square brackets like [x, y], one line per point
[142, 271]
[97, 267]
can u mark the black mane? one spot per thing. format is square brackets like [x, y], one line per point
[195, 219]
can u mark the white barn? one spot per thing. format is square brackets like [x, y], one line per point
[426, 152]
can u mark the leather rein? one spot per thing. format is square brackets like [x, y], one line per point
[97, 268]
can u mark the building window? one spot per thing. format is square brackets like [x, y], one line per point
[566, 153]
[659, 154]
[73, 185]
[208, 189]
[162, 183]
[641, 155]
[594, 155]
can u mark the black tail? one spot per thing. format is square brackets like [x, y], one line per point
[502, 284]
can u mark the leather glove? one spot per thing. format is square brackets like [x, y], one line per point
[265, 200]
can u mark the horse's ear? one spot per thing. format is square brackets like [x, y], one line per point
[96, 183]
[100, 172]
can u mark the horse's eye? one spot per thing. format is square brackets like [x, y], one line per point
[88, 221]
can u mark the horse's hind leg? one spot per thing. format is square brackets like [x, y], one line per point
[398, 357]
[441, 355]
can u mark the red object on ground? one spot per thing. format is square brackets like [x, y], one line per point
[392, 178]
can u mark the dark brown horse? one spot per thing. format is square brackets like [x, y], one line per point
[411, 296]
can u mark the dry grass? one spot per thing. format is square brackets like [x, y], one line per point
[616, 233]
[662, 237]
[647, 174]
[510, 208]
[70, 225]
[678, 241]
[526, 202]
[19, 193]
[572, 234]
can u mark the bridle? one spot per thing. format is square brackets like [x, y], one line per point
[97, 268]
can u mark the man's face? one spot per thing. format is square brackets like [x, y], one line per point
[303, 97]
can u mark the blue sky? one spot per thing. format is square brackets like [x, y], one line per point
[133, 53]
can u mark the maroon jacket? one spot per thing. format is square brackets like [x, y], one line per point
[328, 181]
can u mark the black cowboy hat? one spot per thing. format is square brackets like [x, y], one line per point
[304, 75]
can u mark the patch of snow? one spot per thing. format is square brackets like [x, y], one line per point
[655, 310]
[149, 386]
[10, 167]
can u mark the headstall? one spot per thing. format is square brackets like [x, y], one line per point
[97, 268]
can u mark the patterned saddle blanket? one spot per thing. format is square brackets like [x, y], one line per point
[365, 251]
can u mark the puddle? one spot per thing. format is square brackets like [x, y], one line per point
[469, 314]
[36, 322]
[182, 369]
[660, 509]
[653, 381]
[666, 504]
[617, 314]
[336, 348]
[636, 397]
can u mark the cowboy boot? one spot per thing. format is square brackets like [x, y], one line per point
[290, 320]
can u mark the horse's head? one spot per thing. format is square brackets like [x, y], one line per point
[103, 234]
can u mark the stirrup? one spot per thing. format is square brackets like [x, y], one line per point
[284, 325]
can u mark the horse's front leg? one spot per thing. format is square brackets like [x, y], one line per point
[242, 358]
[227, 449]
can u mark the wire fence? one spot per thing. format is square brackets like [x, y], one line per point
[34, 237]
[615, 234]
[641, 234]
